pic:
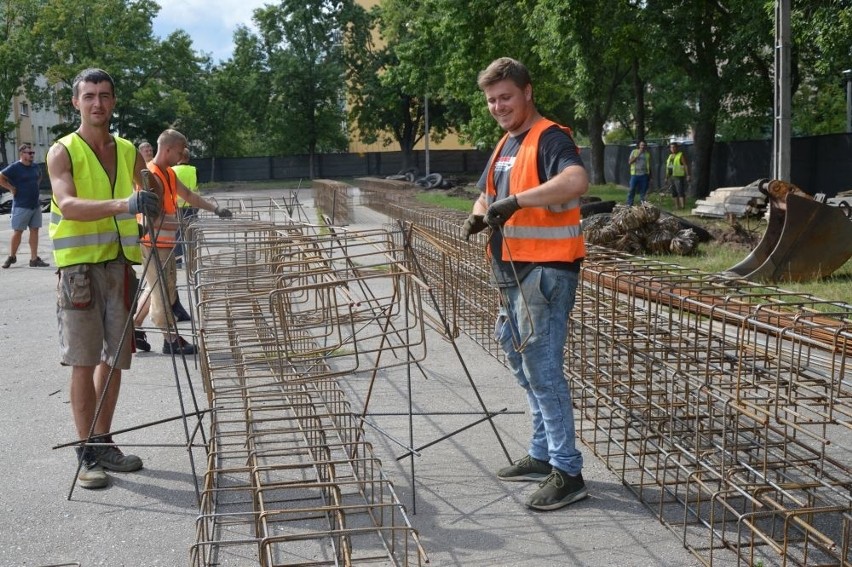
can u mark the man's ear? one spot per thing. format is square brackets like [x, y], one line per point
[528, 92]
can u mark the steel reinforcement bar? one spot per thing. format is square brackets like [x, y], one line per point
[723, 404]
[284, 309]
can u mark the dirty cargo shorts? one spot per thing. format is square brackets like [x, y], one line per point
[92, 308]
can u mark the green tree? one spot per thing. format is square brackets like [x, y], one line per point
[304, 54]
[720, 51]
[590, 43]
[17, 72]
[388, 85]
[153, 78]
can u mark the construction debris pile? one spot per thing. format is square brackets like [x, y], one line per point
[640, 230]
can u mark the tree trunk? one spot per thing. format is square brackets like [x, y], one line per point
[4, 159]
[705, 137]
[639, 93]
[596, 170]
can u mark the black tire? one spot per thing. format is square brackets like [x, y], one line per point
[701, 232]
[596, 208]
[434, 180]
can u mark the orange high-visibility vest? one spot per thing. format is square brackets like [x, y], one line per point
[167, 225]
[536, 234]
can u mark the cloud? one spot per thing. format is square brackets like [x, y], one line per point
[210, 23]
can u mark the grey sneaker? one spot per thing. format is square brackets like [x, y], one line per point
[91, 474]
[527, 468]
[111, 458]
[558, 490]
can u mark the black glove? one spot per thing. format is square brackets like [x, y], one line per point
[473, 225]
[500, 211]
[145, 202]
[223, 213]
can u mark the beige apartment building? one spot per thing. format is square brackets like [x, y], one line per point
[32, 126]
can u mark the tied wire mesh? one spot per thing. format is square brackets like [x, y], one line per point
[722, 404]
[285, 308]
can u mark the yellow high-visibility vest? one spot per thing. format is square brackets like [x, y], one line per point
[91, 242]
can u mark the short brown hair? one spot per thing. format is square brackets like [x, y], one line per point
[502, 69]
[24, 147]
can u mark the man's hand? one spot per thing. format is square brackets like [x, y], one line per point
[473, 225]
[223, 213]
[145, 202]
[500, 211]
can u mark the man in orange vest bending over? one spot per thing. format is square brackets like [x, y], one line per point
[531, 201]
[170, 146]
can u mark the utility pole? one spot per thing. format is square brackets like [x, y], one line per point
[782, 129]
[847, 75]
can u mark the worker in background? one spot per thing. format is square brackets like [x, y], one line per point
[640, 172]
[163, 290]
[22, 179]
[530, 199]
[189, 177]
[92, 174]
[677, 174]
[147, 151]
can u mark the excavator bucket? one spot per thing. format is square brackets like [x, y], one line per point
[805, 239]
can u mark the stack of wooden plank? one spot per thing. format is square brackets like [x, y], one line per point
[738, 202]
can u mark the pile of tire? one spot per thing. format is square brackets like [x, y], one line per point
[640, 230]
[431, 181]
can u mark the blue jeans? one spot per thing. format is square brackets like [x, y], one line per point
[638, 183]
[549, 294]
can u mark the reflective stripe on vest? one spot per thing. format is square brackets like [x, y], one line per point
[165, 227]
[536, 234]
[102, 240]
[674, 163]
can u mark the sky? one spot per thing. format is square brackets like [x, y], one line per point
[210, 23]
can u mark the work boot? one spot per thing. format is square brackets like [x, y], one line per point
[111, 458]
[527, 468]
[179, 346]
[91, 474]
[558, 490]
[9, 261]
[141, 340]
[37, 262]
[180, 312]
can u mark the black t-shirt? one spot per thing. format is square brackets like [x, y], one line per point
[556, 151]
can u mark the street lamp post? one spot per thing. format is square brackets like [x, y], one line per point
[847, 75]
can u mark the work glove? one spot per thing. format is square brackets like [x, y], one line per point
[145, 202]
[500, 211]
[223, 213]
[473, 225]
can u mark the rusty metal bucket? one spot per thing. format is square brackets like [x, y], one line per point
[805, 239]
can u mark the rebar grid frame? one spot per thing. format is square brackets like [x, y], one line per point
[284, 309]
[719, 402]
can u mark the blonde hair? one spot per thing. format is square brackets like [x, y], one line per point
[170, 137]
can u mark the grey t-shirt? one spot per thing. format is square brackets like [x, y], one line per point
[640, 166]
[556, 151]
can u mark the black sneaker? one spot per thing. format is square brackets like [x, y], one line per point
[91, 474]
[111, 458]
[558, 490]
[37, 262]
[180, 312]
[527, 468]
[141, 340]
[179, 346]
[9, 261]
